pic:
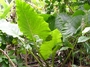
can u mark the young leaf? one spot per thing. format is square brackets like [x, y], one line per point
[64, 48]
[83, 39]
[30, 23]
[87, 29]
[46, 48]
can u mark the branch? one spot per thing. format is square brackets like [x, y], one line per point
[8, 58]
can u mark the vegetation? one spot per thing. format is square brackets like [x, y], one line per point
[44, 33]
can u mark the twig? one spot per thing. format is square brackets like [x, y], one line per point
[69, 54]
[32, 54]
[26, 63]
[8, 58]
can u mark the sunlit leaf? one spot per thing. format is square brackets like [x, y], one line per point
[3, 3]
[30, 23]
[6, 9]
[5, 12]
[46, 48]
[87, 29]
[9, 28]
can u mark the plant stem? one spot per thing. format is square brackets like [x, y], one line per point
[8, 58]
[36, 58]
[80, 56]
[54, 53]
[40, 53]
[66, 58]
[69, 55]
[32, 53]
[26, 63]
[73, 59]
[44, 60]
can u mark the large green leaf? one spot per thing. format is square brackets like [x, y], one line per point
[9, 28]
[30, 23]
[68, 25]
[47, 48]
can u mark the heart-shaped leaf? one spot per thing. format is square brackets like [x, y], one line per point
[46, 48]
[30, 23]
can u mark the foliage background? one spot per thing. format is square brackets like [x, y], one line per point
[28, 28]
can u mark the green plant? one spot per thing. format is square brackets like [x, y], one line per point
[44, 32]
[71, 27]
[36, 30]
[5, 8]
[37, 34]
